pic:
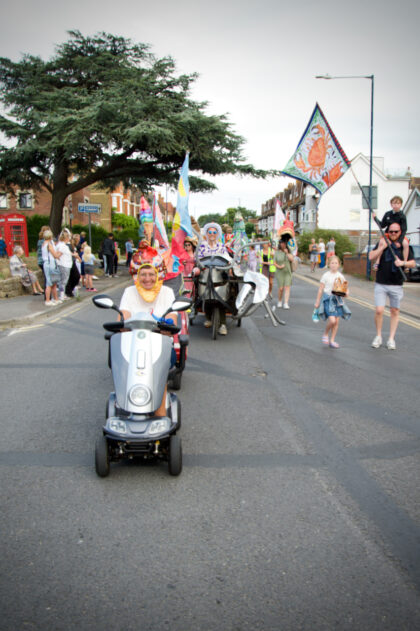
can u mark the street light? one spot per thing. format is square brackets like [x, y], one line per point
[372, 79]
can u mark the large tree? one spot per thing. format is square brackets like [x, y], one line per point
[104, 109]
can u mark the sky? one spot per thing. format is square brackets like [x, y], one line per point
[257, 61]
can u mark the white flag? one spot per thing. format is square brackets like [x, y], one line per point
[279, 216]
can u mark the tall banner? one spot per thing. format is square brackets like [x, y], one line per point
[159, 230]
[146, 219]
[319, 159]
[181, 226]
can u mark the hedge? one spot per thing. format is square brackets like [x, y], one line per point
[342, 242]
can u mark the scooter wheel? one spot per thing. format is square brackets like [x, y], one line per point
[175, 455]
[178, 409]
[215, 322]
[102, 457]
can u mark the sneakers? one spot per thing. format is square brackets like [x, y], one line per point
[207, 324]
[49, 303]
[377, 341]
[279, 304]
[286, 306]
[391, 346]
[222, 329]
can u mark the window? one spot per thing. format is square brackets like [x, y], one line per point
[365, 197]
[417, 201]
[3, 200]
[25, 200]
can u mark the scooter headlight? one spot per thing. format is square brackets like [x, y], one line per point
[140, 395]
[160, 426]
[117, 426]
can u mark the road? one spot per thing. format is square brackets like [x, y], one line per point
[298, 506]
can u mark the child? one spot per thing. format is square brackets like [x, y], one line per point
[88, 260]
[331, 307]
[253, 258]
[395, 216]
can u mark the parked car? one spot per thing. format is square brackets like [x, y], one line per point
[414, 272]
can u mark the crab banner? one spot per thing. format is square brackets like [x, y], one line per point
[319, 158]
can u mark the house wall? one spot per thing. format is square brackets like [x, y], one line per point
[340, 207]
[412, 212]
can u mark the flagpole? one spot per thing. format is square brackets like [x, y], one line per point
[372, 79]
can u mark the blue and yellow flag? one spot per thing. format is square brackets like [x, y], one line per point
[319, 158]
[181, 226]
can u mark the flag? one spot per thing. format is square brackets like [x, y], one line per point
[181, 226]
[159, 231]
[146, 218]
[279, 216]
[319, 158]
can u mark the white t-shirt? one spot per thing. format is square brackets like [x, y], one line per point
[132, 301]
[321, 247]
[328, 280]
[66, 259]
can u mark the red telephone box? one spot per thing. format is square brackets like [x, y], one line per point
[14, 231]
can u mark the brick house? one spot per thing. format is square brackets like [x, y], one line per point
[29, 202]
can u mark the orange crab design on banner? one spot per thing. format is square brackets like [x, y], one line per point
[319, 159]
[317, 150]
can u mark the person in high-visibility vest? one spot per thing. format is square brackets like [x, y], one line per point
[267, 266]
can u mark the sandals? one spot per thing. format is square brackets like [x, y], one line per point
[334, 345]
[325, 340]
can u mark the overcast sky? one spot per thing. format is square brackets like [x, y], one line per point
[257, 61]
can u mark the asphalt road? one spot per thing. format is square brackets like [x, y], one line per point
[298, 506]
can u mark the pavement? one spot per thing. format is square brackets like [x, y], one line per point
[27, 309]
[24, 310]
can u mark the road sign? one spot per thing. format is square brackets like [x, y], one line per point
[89, 208]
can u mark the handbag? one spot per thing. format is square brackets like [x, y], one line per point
[340, 287]
[295, 264]
[55, 274]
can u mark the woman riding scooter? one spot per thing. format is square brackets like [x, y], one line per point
[213, 247]
[149, 295]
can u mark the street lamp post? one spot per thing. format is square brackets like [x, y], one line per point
[372, 79]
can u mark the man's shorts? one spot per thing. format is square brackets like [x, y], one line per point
[394, 292]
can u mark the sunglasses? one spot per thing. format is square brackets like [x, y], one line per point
[394, 231]
[211, 231]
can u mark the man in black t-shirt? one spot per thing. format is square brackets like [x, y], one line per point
[389, 282]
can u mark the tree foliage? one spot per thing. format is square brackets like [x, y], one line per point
[342, 242]
[104, 109]
[119, 220]
[228, 217]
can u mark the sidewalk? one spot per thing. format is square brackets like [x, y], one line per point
[25, 310]
[362, 289]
